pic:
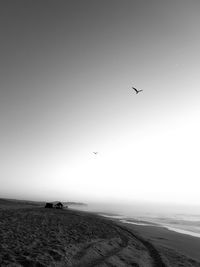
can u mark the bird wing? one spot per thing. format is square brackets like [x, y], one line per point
[134, 89]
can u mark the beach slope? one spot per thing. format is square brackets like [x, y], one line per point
[35, 236]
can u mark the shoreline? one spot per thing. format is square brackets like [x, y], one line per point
[166, 241]
[149, 223]
[174, 246]
[161, 237]
[181, 231]
[35, 235]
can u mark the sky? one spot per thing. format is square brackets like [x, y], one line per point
[67, 68]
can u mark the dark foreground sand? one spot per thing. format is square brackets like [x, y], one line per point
[34, 236]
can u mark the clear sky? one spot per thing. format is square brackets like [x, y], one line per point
[67, 68]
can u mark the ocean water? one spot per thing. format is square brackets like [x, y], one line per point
[181, 219]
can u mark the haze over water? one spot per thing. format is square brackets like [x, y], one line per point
[179, 218]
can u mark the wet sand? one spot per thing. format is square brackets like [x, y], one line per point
[170, 243]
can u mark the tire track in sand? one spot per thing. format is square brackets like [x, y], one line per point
[155, 255]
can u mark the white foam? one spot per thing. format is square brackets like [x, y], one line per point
[177, 230]
[136, 223]
[151, 222]
[181, 231]
[112, 216]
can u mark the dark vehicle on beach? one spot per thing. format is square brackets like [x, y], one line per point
[58, 205]
[49, 205]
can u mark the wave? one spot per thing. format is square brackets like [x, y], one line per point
[181, 231]
[186, 226]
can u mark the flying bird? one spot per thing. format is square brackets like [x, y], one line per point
[95, 153]
[137, 91]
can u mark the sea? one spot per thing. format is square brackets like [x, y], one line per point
[183, 219]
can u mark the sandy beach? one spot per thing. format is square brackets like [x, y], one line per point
[34, 236]
[176, 249]
[100, 133]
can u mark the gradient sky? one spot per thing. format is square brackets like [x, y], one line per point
[67, 68]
